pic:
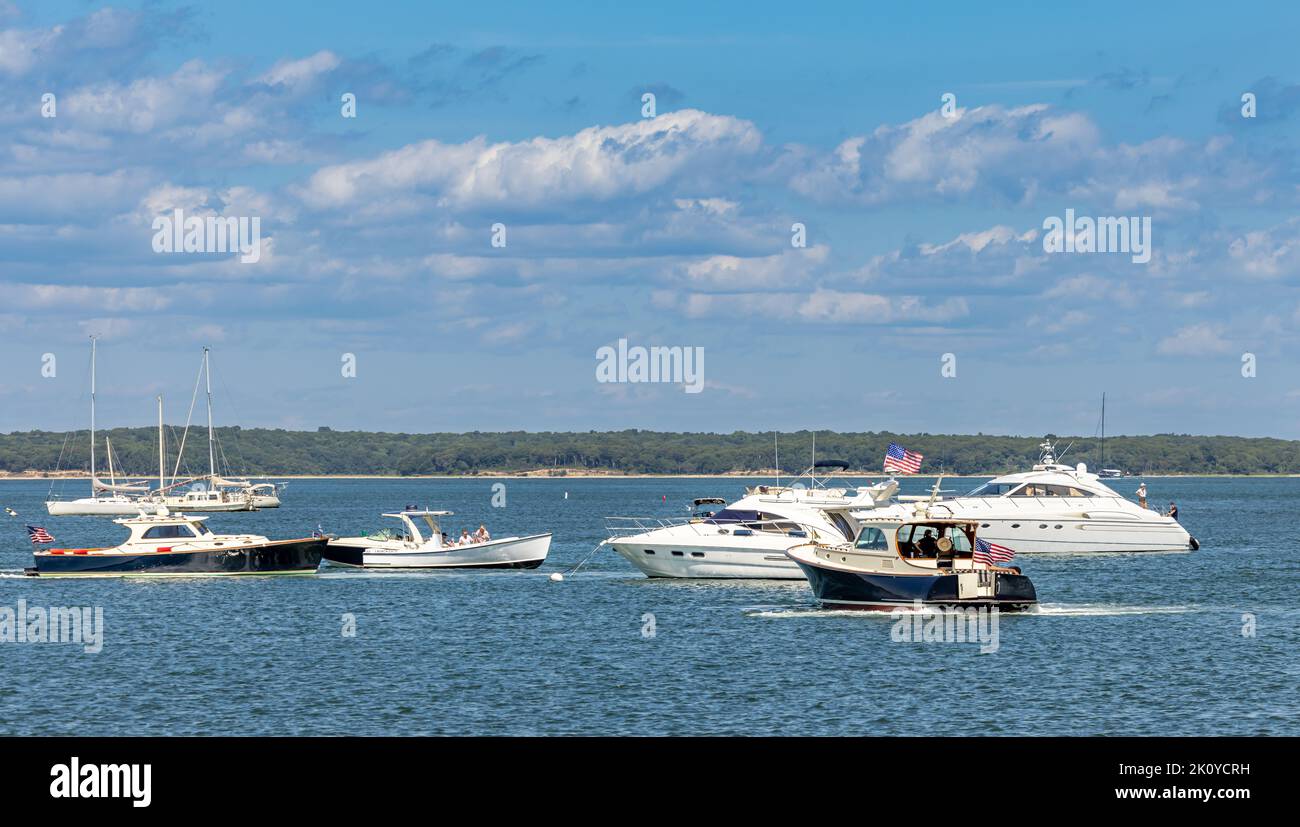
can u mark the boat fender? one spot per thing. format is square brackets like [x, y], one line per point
[1193, 543]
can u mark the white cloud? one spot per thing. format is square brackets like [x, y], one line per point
[1202, 339]
[597, 164]
[298, 73]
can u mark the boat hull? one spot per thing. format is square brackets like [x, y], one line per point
[708, 562]
[1079, 527]
[839, 589]
[279, 557]
[507, 553]
[93, 508]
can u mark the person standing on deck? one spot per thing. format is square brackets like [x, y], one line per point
[1142, 495]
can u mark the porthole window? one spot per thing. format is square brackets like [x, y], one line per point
[678, 554]
[984, 525]
[1015, 525]
[1042, 525]
[1058, 525]
[697, 554]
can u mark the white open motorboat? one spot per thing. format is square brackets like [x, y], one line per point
[749, 537]
[1061, 509]
[410, 547]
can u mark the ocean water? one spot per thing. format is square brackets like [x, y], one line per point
[1136, 644]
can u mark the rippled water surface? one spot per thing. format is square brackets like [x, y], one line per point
[1123, 644]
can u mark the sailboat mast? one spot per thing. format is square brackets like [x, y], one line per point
[212, 455]
[776, 450]
[162, 459]
[1103, 429]
[92, 415]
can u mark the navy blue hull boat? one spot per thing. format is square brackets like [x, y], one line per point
[177, 545]
[896, 563]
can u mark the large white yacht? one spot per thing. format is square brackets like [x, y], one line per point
[749, 537]
[1062, 509]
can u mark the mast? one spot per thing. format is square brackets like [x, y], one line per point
[92, 415]
[108, 450]
[162, 474]
[212, 455]
[776, 444]
[1103, 429]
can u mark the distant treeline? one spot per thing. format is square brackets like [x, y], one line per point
[261, 451]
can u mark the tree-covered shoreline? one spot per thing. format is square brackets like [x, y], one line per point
[264, 451]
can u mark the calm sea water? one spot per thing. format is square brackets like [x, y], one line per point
[1123, 645]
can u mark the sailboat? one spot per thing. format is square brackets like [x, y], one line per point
[106, 498]
[214, 492]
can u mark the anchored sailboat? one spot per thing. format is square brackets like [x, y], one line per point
[108, 498]
[213, 492]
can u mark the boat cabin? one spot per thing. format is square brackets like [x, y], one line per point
[923, 543]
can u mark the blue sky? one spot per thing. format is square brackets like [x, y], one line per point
[924, 232]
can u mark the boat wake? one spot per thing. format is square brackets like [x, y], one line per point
[1043, 609]
[1105, 610]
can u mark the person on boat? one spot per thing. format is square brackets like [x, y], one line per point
[927, 546]
[465, 539]
[1142, 495]
[482, 536]
[446, 541]
[1173, 511]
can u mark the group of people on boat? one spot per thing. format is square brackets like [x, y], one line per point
[467, 539]
[1142, 501]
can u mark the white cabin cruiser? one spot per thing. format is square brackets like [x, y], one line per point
[749, 537]
[1057, 508]
[409, 547]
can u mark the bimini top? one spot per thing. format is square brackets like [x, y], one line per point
[708, 501]
[420, 512]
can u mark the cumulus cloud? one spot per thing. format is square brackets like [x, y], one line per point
[599, 163]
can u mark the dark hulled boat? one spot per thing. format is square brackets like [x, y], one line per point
[903, 563]
[181, 546]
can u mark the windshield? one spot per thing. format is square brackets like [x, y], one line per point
[993, 489]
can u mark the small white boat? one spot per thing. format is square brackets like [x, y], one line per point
[409, 547]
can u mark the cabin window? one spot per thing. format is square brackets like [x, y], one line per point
[993, 489]
[168, 532]
[923, 541]
[871, 539]
[842, 524]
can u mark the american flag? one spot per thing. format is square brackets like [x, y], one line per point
[897, 458]
[39, 535]
[990, 553]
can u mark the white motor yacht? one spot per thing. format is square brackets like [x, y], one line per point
[749, 537]
[410, 547]
[1057, 508]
